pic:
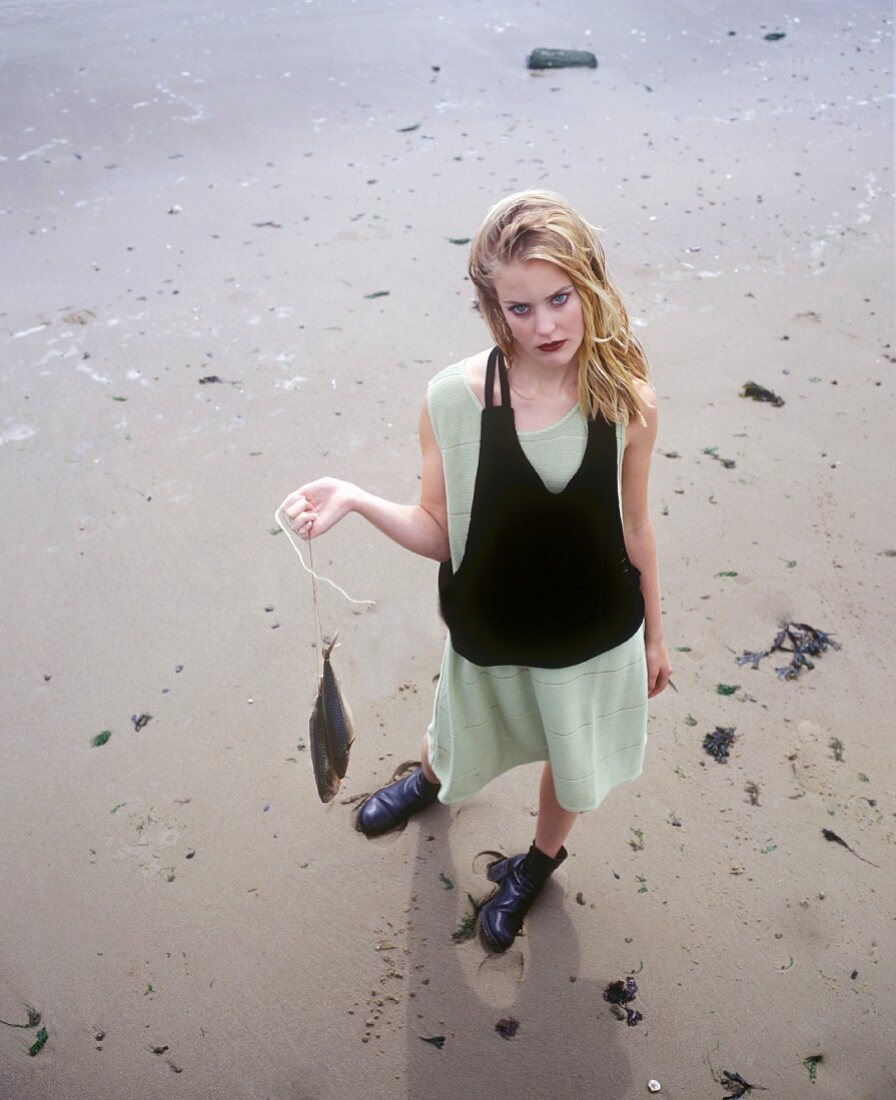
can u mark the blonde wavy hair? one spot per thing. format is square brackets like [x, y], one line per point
[540, 225]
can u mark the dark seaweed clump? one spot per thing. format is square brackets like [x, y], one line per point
[620, 993]
[735, 1082]
[805, 642]
[760, 393]
[508, 1027]
[719, 742]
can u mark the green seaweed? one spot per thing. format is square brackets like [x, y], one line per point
[101, 738]
[466, 928]
[39, 1042]
[33, 1018]
[727, 689]
[812, 1063]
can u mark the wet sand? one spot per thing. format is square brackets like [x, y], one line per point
[219, 194]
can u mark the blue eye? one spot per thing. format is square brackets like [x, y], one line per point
[518, 310]
[561, 299]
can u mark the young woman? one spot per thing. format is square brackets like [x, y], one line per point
[534, 500]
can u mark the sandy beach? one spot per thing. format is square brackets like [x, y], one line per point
[235, 253]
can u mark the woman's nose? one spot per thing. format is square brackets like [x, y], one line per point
[544, 323]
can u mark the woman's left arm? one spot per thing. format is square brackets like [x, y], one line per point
[640, 543]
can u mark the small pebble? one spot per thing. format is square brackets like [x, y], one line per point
[653, 1086]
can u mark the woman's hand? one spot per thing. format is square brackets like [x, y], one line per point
[659, 667]
[316, 507]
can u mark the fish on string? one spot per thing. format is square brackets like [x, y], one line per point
[331, 730]
[330, 727]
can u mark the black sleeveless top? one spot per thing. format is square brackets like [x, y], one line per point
[545, 579]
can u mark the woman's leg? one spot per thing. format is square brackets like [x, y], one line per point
[424, 760]
[522, 877]
[554, 823]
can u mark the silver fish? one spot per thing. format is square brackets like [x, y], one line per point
[338, 726]
[326, 779]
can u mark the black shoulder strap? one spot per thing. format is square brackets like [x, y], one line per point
[496, 358]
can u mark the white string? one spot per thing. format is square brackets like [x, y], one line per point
[291, 535]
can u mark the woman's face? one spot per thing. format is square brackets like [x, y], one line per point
[543, 311]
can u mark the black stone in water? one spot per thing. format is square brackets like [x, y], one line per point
[560, 59]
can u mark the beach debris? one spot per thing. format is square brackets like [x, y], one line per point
[437, 1041]
[267, 225]
[620, 994]
[636, 840]
[719, 742]
[459, 240]
[727, 689]
[466, 928]
[39, 1042]
[33, 1019]
[836, 747]
[713, 452]
[542, 58]
[775, 36]
[409, 129]
[805, 642]
[140, 720]
[101, 738]
[580, 898]
[786, 965]
[158, 1050]
[445, 881]
[760, 393]
[508, 1027]
[174, 1068]
[752, 790]
[378, 294]
[734, 1081]
[79, 317]
[812, 1063]
[830, 835]
[653, 1085]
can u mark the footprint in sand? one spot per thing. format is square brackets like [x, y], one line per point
[498, 977]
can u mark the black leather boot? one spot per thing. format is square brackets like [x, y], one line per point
[521, 879]
[391, 806]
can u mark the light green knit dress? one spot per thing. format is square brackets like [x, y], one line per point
[589, 720]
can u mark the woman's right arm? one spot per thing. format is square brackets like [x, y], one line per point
[422, 528]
